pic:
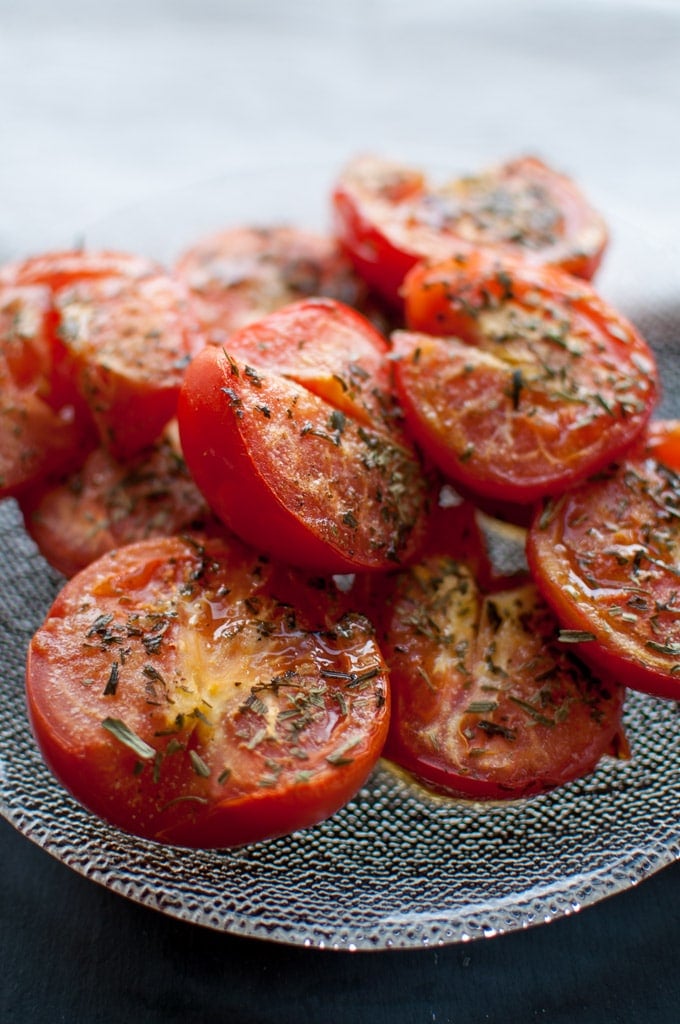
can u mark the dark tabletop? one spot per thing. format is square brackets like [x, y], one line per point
[102, 107]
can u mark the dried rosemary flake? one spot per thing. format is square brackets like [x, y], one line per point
[338, 757]
[199, 765]
[575, 636]
[124, 734]
[481, 707]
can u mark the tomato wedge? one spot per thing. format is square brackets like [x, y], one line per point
[606, 558]
[331, 350]
[241, 274]
[533, 383]
[107, 503]
[128, 342]
[389, 217]
[292, 474]
[188, 691]
[37, 440]
[485, 702]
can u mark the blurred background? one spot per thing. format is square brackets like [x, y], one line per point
[104, 105]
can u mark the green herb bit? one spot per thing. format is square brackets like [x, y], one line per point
[481, 707]
[199, 765]
[124, 734]
[575, 636]
[338, 757]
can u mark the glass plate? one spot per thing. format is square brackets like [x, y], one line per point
[396, 868]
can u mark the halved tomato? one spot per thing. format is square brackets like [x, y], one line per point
[606, 556]
[389, 217]
[241, 274]
[63, 268]
[486, 703]
[188, 691]
[532, 383]
[294, 475]
[128, 342]
[37, 439]
[107, 503]
[329, 349]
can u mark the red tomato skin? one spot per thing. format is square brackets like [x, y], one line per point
[61, 269]
[38, 439]
[126, 344]
[234, 462]
[514, 443]
[172, 799]
[605, 575]
[662, 442]
[329, 349]
[107, 503]
[389, 218]
[65, 267]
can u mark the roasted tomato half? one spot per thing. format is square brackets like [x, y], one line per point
[188, 691]
[606, 556]
[526, 381]
[389, 217]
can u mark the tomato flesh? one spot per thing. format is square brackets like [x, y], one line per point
[329, 349]
[292, 474]
[239, 275]
[389, 217]
[37, 439]
[128, 343]
[526, 381]
[188, 691]
[606, 556]
[486, 703]
[107, 503]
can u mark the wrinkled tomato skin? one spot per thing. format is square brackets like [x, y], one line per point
[253, 711]
[605, 557]
[281, 469]
[389, 218]
[518, 381]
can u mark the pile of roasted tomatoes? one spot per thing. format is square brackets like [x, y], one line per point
[268, 473]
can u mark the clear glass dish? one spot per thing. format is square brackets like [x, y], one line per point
[397, 867]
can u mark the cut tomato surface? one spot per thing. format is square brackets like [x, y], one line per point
[127, 345]
[329, 349]
[389, 217]
[526, 381]
[291, 473]
[106, 504]
[188, 691]
[68, 266]
[37, 439]
[606, 556]
[662, 442]
[239, 275]
[486, 702]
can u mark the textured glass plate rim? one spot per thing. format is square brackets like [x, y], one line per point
[194, 885]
